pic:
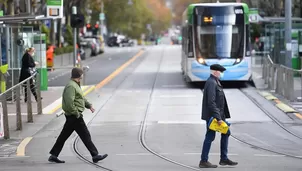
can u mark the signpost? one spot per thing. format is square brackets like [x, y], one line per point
[55, 8]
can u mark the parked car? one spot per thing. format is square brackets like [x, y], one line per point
[94, 43]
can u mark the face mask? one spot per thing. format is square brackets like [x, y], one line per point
[221, 75]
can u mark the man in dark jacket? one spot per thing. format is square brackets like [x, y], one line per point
[214, 105]
[73, 104]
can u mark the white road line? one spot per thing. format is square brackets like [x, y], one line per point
[135, 154]
[211, 154]
[13, 157]
[171, 96]
[181, 122]
[269, 155]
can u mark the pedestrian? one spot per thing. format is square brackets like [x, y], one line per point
[28, 69]
[214, 105]
[73, 104]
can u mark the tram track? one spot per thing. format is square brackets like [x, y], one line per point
[141, 132]
[276, 121]
[143, 127]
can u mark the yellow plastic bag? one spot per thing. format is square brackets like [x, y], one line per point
[223, 128]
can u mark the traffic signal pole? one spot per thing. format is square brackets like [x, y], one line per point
[102, 21]
[288, 32]
[74, 11]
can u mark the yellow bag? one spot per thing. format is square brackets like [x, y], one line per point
[223, 128]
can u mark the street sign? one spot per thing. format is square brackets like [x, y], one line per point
[253, 15]
[1, 122]
[102, 16]
[54, 8]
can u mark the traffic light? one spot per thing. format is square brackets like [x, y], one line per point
[77, 21]
[88, 27]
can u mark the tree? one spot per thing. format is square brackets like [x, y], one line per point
[128, 19]
[271, 8]
[179, 6]
[161, 15]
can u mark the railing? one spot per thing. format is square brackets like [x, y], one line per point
[14, 93]
[282, 80]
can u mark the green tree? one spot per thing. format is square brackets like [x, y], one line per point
[161, 15]
[128, 19]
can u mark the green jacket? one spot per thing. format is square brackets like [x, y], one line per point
[73, 101]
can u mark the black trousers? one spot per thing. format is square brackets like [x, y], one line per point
[74, 124]
[32, 88]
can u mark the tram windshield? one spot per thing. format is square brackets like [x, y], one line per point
[220, 41]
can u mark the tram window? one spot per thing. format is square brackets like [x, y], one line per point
[190, 41]
[248, 41]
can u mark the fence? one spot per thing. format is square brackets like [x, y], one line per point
[67, 59]
[14, 93]
[282, 80]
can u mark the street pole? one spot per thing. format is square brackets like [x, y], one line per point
[102, 21]
[74, 11]
[288, 32]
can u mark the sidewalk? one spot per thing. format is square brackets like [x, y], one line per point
[51, 104]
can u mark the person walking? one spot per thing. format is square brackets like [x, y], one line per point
[214, 105]
[73, 104]
[27, 70]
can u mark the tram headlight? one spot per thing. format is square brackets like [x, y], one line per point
[201, 60]
[238, 60]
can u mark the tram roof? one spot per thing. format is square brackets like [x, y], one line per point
[189, 11]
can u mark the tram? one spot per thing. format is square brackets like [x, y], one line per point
[216, 33]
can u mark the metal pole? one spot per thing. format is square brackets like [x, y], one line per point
[7, 34]
[29, 107]
[28, 6]
[5, 116]
[39, 101]
[74, 11]
[102, 21]
[288, 29]
[18, 109]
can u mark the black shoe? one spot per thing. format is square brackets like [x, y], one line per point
[97, 158]
[207, 165]
[228, 162]
[55, 159]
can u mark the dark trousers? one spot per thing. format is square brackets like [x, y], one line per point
[209, 138]
[74, 124]
[32, 88]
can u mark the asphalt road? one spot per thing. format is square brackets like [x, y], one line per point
[152, 86]
[100, 66]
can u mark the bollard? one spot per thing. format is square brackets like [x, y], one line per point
[5, 117]
[85, 69]
[18, 109]
[29, 107]
[39, 101]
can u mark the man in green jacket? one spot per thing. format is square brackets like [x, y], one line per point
[73, 104]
